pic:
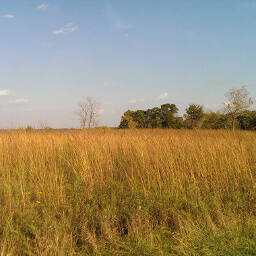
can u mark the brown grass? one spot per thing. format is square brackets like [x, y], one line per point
[128, 192]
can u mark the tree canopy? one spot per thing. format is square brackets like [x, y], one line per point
[238, 103]
[163, 117]
[235, 114]
[194, 114]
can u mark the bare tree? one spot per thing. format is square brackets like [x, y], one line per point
[86, 112]
[238, 103]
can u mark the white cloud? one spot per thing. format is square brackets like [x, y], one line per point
[61, 31]
[213, 106]
[106, 84]
[100, 111]
[135, 101]
[162, 96]
[4, 93]
[8, 16]
[69, 28]
[18, 101]
[43, 7]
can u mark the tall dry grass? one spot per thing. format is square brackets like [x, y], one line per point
[128, 192]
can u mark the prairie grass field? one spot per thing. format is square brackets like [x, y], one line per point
[128, 192]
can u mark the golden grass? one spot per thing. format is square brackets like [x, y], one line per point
[128, 192]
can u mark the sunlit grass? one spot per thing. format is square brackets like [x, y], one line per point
[128, 192]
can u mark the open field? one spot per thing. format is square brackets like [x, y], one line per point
[128, 192]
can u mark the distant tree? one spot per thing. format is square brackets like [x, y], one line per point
[153, 118]
[247, 121]
[194, 114]
[237, 104]
[168, 112]
[127, 120]
[123, 124]
[212, 120]
[29, 128]
[163, 117]
[139, 116]
[86, 112]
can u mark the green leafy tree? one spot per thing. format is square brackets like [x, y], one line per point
[168, 112]
[216, 120]
[193, 116]
[247, 121]
[153, 118]
[237, 104]
[139, 117]
[127, 120]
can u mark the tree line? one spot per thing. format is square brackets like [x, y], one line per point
[235, 115]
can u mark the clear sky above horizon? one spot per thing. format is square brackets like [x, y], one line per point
[127, 54]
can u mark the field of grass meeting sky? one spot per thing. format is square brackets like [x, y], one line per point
[124, 191]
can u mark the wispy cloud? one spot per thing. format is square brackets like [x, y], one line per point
[8, 98]
[69, 28]
[162, 96]
[4, 93]
[61, 31]
[43, 7]
[8, 16]
[135, 101]
[18, 101]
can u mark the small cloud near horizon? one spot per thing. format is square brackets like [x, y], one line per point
[43, 7]
[8, 16]
[135, 101]
[18, 101]
[213, 106]
[4, 92]
[69, 28]
[162, 96]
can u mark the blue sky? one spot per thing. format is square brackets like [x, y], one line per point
[127, 54]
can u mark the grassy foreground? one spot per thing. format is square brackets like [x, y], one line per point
[128, 192]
